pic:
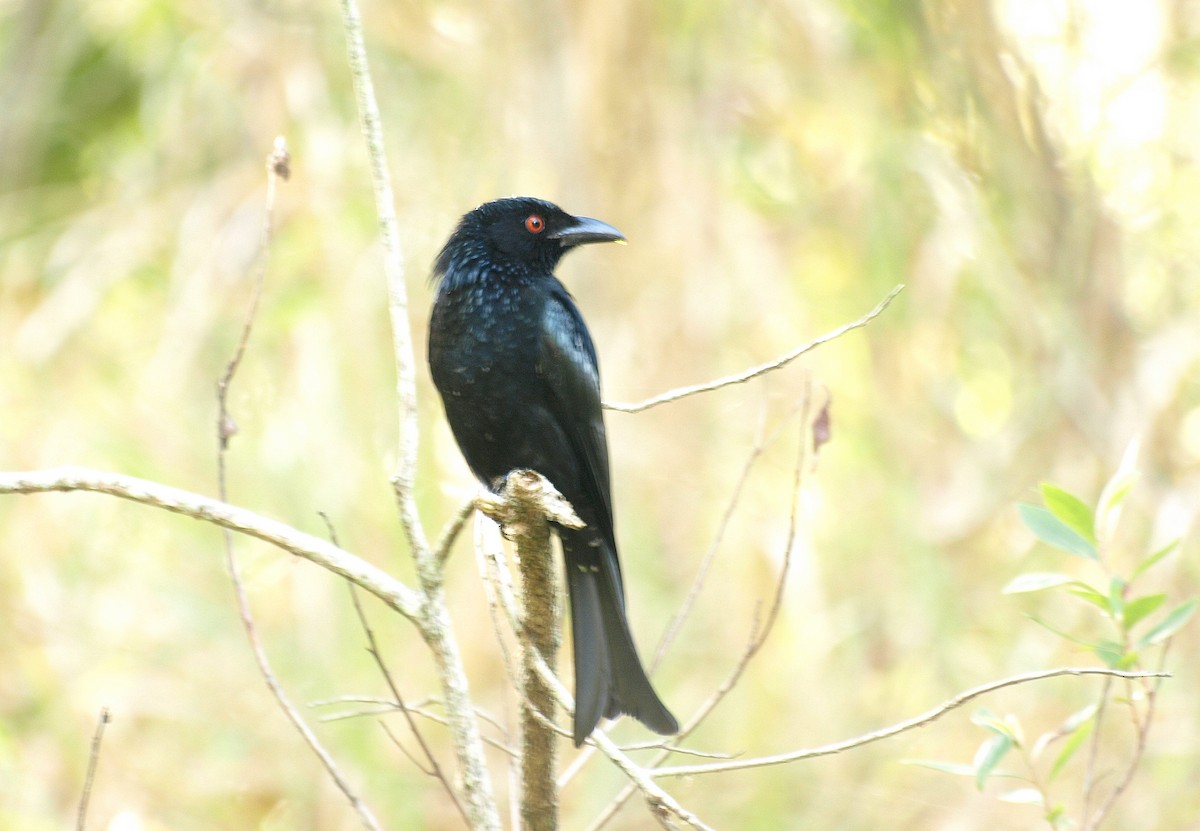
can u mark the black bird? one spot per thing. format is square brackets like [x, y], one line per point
[517, 371]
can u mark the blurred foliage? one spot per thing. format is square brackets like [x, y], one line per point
[1027, 167]
[1139, 635]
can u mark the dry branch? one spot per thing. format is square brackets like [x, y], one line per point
[391, 591]
[761, 369]
[896, 729]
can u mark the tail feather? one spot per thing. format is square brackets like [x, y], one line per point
[609, 677]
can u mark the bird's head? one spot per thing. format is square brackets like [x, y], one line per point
[521, 235]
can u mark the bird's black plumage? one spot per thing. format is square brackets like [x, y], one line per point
[517, 371]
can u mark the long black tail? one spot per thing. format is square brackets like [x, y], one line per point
[609, 678]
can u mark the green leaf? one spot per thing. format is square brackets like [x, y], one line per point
[1071, 510]
[988, 756]
[1022, 796]
[953, 768]
[1008, 726]
[1116, 597]
[1154, 558]
[1089, 644]
[1051, 530]
[1074, 741]
[1035, 581]
[1110, 652]
[1169, 625]
[1077, 719]
[1086, 592]
[1139, 607]
[1108, 508]
[1070, 724]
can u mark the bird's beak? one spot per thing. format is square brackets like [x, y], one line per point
[583, 230]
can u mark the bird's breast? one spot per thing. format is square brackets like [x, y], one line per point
[481, 338]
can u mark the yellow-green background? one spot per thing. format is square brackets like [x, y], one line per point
[1027, 168]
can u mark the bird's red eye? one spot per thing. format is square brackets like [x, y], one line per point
[534, 224]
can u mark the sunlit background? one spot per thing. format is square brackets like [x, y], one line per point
[1028, 168]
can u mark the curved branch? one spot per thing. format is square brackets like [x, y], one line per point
[896, 729]
[761, 369]
[391, 591]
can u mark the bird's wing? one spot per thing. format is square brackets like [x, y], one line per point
[568, 366]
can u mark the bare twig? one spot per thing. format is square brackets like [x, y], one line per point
[434, 769]
[366, 816]
[1089, 772]
[435, 623]
[761, 369]
[676, 623]
[93, 760]
[277, 164]
[418, 709]
[896, 729]
[1142, 726]
[497, 583]
[758, 634]
[358, 571]
[404, 750]
[445, 542]
[393, 265]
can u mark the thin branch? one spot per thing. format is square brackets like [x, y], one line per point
[277, 163]
[896, 729]
[435, 623]
[434, 770]
[1139, 750]
[387, 706]
[364, 812]
[497, 583]
[758, 634]
[1089, 773]
[404, 750]
[404, 478]
[445, 542]
[391, 591]
[754, 372]
[676, 623]
[93, 761]
[278, 166]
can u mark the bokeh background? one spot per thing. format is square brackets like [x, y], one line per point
[1028, 168]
